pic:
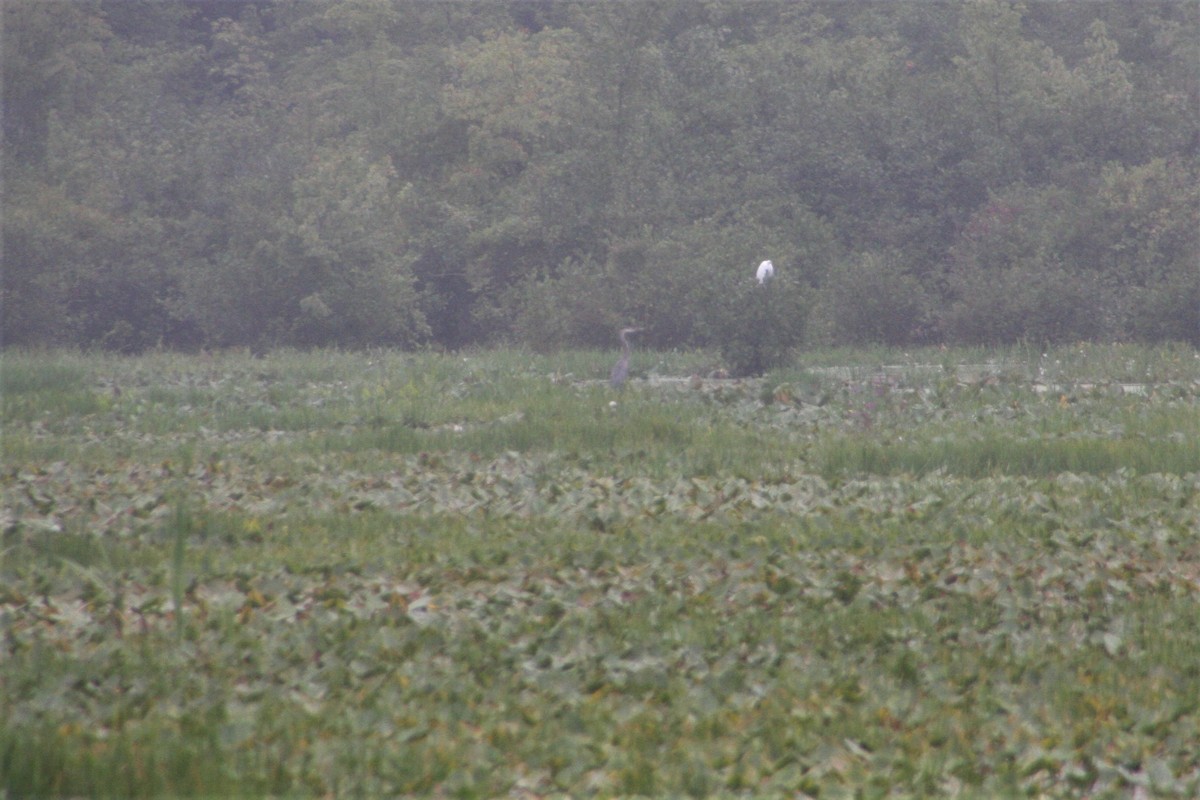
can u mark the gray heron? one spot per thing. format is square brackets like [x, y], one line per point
[620, 370]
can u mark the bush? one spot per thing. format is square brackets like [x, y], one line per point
[1103, 254]
[693, 287]
[573, 307]
[871, 300]
[698, 288]
[1025, 303]
[758, 326]
[1168, 310]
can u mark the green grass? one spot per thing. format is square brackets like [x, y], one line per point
[976, 455]
[974, 575]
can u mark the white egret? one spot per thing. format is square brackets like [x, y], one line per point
[766, 271]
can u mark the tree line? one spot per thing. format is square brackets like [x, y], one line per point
[263, 173]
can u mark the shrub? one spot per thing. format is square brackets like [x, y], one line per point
[1168, 310]
[573, 307]
[871, 299]
[1029, 302]
[758, 326]
[1100, 254]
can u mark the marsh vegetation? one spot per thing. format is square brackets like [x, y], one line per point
[872, 574]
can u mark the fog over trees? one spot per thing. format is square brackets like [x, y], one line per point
[371, 172]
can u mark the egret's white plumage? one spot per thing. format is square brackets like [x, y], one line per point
[766, 271]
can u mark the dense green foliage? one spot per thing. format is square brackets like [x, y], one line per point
[373, 172]
[375, 574]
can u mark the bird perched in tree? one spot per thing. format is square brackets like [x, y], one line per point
[766, 271]
[620, 370]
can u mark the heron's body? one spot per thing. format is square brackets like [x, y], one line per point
[620, 370]
[766, 271]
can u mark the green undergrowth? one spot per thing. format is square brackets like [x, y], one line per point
[318, 574]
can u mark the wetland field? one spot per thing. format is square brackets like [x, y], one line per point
[874, 574]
